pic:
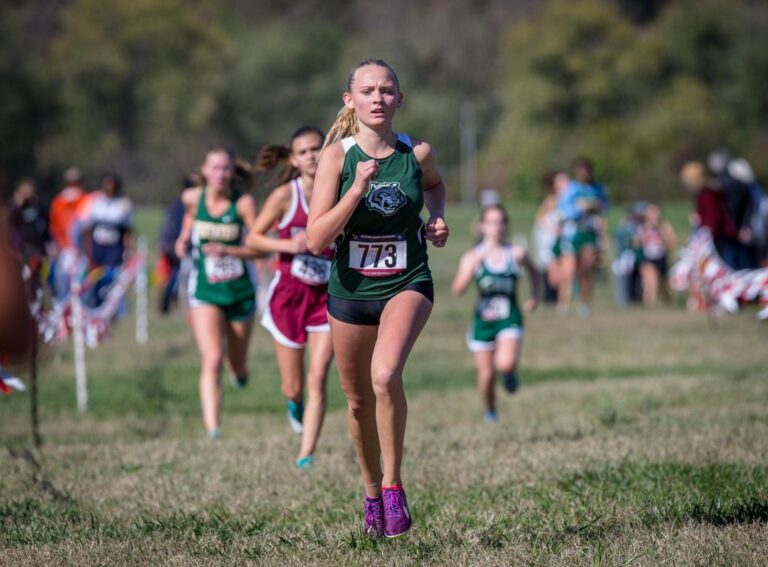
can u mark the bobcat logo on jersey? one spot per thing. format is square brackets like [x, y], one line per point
[384, 197]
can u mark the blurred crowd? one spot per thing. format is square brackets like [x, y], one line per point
[732, 205]
[571, 240]
[570, 237]
[82, 230]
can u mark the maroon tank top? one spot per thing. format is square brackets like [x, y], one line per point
[306, 267]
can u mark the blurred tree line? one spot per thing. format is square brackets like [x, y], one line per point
[143, 86]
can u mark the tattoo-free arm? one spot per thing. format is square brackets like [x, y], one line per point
[522, 258]
[273, 210]
[463, 277]
[328, 215]
[436, 229]
[190, 198]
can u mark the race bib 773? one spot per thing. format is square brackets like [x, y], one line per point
[378, 256]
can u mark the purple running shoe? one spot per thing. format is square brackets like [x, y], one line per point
[397, 517]
[374, 517]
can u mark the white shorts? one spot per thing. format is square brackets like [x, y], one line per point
[485, 346]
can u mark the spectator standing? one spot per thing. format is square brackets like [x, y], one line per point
[63, 214]
[29, 227]
[169, 233]
[655, 239]
[709, 206]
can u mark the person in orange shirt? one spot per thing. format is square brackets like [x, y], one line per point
[63, 213]
[64, 208]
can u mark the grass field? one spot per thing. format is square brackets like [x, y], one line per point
[638, 437]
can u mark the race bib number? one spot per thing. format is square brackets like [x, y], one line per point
[494, 308]
[378, 256]
[312, 270]
[106, 235]
[223, 268]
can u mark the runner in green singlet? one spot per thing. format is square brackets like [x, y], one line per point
[221, 295]
[497, 326]
[370, 187]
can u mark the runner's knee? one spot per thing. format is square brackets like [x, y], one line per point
[292, 391]
[387, 380]
[211, 360]
[484, 375]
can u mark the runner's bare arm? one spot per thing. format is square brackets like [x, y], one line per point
[522, 259]
[327, 213]
[273, 210]
[467, 266]
[434, 193]
[190, 198]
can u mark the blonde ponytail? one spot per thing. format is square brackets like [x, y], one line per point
[344, 126]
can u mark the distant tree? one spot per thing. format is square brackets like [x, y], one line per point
[26, 103]
[281, 77]
[144, 86]
[579, 78]
[134, 78]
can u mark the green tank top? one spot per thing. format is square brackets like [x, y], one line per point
[382, 249]
[220, 280]
[497, 291]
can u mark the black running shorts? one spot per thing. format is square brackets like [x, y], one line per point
[368, 311]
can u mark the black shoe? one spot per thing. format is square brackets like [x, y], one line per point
[239, 382]
[511, 382]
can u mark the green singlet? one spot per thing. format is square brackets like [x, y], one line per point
[222, 281]
[382, 249]
[497, 314]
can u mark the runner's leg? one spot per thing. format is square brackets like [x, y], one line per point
[485, 379]
[507, 354]
[208, 325]
[586, 264]
[290, 362]
[565, 284]
[238, 335]
[353, 347]
[320, 355]
[402, 320]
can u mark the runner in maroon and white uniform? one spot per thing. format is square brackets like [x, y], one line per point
[296, 309]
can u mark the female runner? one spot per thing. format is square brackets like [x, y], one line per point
[370, 187]
[581, 207]
[221, 294]
[296, 309]
[497, 327]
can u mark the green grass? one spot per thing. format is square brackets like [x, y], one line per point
[639, 437]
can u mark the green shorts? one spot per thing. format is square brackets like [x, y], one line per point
[482, 335]
[575, 243]
[557, 250]
[239, 311]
